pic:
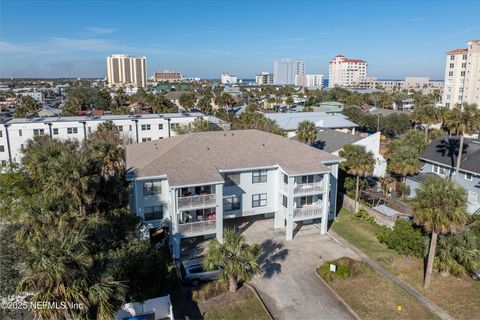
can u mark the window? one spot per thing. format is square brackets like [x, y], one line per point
[160, 127]
[38, 132]
[306, 179]
[145, 127]
[175, 125]
[259, 200]
[130, 127]
[2, 149]
[3, 163]
[285, 179]
[120, 128]
[20, 133]
[464, 65]
[451, 65]
[472, 197]
[284, 201]
[259, 176]
[72, 130]
[305, 201]
[231, 203]
[452, 57]
[462, 73]
[468, 176]
[55, 131]
[153, 213]
[450, 73]
[152, 187]
[1, 133]
[232, 179]
[464, 57]
[146, 139]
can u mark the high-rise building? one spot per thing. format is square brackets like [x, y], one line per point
[462, 75]
[344, 72]
[167, 76]
[124, 70]
[229, 78]
[313, 81]
[265, 78]
[284, 71]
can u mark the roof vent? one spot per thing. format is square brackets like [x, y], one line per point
[208, 148]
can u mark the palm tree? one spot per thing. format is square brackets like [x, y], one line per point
[404, 160]
[427, 115]
[236, 259]
[359, 162]
[464, 120]
[307, 132]
[458, 253]
[440, 207]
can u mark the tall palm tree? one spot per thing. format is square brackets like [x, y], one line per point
[235, 257]
[359, 162]
[459, 253]
[464, 119]
[440, 207]
[307, 132]
[426, 115]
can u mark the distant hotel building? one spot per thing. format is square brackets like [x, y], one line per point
[265, 78]
[285, 71]
[343, 72]
[313, 81]
[229, 78]
[167, 76]
[421, 84]
[462, 75]
[124, 70]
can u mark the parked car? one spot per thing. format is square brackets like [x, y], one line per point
[193, 273]
[475, 275]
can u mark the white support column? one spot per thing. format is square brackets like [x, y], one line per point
[175, 237]
[326, 201]
[219, 211]
[289, 216]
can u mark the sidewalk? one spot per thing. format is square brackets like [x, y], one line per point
[380, 269]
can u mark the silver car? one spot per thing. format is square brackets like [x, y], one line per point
[193, 272]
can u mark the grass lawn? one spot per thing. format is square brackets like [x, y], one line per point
[460, 297]
[373, 296]
[242, 310]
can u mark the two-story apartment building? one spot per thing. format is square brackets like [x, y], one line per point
[15, 132]
[439, 160]
[190, 184]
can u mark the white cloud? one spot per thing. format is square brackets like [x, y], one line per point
[97, 30]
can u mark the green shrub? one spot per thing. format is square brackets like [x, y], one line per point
[364, 215]
[209, 290]
[346, 268]
[405, 238]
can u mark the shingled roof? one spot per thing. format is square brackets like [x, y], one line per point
[444, 150]
[197, 158]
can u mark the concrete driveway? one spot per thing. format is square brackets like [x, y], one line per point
[288, 284]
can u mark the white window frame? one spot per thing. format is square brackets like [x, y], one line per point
[259, 176]
[466, 175]
[260, 198]
[474, 195]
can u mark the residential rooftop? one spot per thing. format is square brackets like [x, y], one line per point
[290, 121]
[103, 118]
[331, 140]
[444, 150]
[199, 158]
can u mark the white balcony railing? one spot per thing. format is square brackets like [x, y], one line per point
[307, 212]
[197, 228]
[200, 201]
[307, 188]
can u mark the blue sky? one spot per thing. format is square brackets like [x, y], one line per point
[204, 38]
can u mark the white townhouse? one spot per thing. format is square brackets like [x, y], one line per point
[190, 184]
[15, 132]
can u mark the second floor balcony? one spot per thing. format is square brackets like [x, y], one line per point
[197, 228]
[197, 201]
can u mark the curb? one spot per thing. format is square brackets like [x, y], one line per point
[338, 296]
[255, 292]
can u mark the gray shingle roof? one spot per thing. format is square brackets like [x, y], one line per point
[331, 140]
[290, 121]
[197, 158]
[444, 150]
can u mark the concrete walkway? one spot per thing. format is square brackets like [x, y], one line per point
[380, 269]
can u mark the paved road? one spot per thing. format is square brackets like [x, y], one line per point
[288, 284]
